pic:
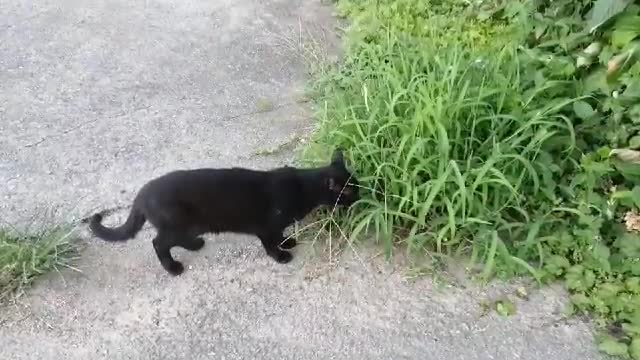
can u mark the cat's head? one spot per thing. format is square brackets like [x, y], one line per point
[341, 187]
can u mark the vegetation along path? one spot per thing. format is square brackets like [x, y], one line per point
[97, 97]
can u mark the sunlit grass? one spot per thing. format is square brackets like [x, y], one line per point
[25, 255]
[452, 154]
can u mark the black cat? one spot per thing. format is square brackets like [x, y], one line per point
[182, 205]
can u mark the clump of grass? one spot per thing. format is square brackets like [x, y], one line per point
[25, 255]
[452, 150]
[309, 43]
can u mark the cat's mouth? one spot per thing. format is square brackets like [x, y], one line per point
[347, 200]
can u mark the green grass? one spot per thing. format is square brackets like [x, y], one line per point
[471, 139]
[435, 139]
[26, 255]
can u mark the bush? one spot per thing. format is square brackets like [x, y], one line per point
[501, 131]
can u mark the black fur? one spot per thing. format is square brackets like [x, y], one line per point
[182, 205]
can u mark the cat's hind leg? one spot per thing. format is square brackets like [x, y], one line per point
[162, 243]
[191, 240]
[173, 224]
[193, 243]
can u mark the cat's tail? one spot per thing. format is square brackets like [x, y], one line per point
[124, 232]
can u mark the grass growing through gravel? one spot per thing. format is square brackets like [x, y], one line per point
[26, 255]
[495, 131]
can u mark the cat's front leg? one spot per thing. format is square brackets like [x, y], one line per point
[288, 243]
[270, 242]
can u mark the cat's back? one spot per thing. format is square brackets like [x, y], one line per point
[207, 178]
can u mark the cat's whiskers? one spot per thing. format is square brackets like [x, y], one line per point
[332, 219]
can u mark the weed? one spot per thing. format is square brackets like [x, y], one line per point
[308, 43]
[505, 307]
[25, 255]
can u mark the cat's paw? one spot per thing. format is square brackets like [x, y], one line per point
[175, 268]
[290, 243]
[283, 257]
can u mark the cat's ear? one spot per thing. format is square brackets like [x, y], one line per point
[338, 157]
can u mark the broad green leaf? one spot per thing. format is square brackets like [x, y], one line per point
[634, 114]
[596, 81]
[613, 347]
[605, 55]
[631, 329]
[629, 245]
[633, 285]
[603, 11]
[608, 291]
[628, 198]
[556, 264]
[582, 109]
[634, 348]
[601, 253]
[580, 300]
[604, 152]
[634, 142]
[575, 278]
[539, 30]
[628, 22]
[635, 194]
[505, 307]
[626, 28]
[629, 169]
[634, 317]
[560, 66]
[620, 38]
[589, 279]
[632, 92]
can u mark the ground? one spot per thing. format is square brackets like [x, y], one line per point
[97, 97]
